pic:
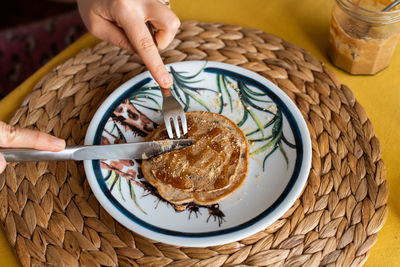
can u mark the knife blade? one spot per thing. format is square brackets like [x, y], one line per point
[140, 150]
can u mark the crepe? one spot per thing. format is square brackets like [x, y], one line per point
[206, 172]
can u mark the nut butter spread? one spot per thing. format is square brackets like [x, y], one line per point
[204, 173]
[358, 46]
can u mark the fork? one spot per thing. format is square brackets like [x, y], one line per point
[171, 109]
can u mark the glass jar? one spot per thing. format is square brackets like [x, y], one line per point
[362, 39]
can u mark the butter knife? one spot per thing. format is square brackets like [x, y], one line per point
[140, 150]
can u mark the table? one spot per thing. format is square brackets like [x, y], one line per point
[306, 24]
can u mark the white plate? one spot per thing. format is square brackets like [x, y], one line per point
[267, 193]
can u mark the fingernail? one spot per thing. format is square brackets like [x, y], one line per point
[59, 143]
[167, 81]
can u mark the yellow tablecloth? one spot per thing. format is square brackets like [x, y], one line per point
[306, 24]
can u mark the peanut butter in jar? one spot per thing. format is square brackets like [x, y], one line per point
[362, 39]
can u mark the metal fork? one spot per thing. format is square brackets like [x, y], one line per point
[171, 109]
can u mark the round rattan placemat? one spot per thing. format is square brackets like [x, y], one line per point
[51, 216]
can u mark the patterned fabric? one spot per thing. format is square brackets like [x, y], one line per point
[24, 49]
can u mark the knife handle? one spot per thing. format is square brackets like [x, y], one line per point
[23, 154]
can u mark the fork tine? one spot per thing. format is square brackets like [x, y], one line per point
[167, 122]
[176, 124]
[184, 124]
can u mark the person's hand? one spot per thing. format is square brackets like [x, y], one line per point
[123, 23]
[13, 137]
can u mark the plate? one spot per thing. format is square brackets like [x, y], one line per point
[279, 161]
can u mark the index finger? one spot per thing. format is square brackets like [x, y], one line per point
[141, 39]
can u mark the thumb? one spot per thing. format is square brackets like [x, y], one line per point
[2, 163]
[11, 136]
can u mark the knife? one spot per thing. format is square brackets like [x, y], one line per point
[140, 150]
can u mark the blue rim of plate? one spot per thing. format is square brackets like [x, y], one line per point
[153, 228]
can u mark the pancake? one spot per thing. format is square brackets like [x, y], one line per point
[206, 172]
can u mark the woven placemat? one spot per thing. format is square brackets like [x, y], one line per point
[51, 216]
